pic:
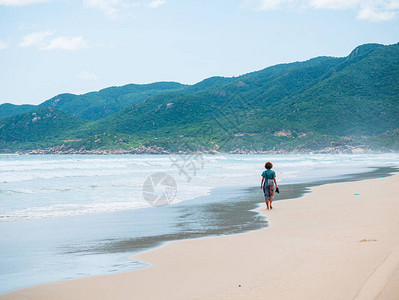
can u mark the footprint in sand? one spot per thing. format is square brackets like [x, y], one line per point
[366, 240]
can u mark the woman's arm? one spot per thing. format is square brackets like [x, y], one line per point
[275, 182]
[261, 184]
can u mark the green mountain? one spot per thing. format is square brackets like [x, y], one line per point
[97, 105]
[360, 97]
[325, 103]
[386, 141]
[8, 109]
[45, 126]
[260, 89]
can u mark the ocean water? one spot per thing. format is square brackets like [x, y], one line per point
[68, 216]
[34, 187]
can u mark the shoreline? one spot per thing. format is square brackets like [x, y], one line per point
[177, 251]
[161, 151]
[234, 212]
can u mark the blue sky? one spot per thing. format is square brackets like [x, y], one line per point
[48, 47]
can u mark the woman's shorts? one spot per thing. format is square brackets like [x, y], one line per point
[269, 191]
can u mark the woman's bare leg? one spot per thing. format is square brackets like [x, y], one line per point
[271, 199]
[267, 203]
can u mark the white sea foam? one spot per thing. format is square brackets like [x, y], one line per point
[54, 186]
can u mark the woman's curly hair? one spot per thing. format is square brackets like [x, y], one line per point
[268, 165]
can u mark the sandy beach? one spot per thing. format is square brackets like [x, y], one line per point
[339, 242]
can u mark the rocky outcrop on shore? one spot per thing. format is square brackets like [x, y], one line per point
[160, 150]
[63, 149]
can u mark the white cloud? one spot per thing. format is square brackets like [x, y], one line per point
[3, 45]
[20, 2]
[370, 10]
[108, 7]
[115, 9]
[45, 40]
[84, 75]
[35, 39]
[376, 14]
[334, 4]
[156, 3]
[66, 43]
[274, 4]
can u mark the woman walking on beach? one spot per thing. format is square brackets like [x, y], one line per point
[268, 183]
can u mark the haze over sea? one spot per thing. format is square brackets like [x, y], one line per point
[68, 216]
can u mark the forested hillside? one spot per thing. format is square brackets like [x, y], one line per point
[323, 104]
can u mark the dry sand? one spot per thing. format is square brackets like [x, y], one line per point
[330, 244]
